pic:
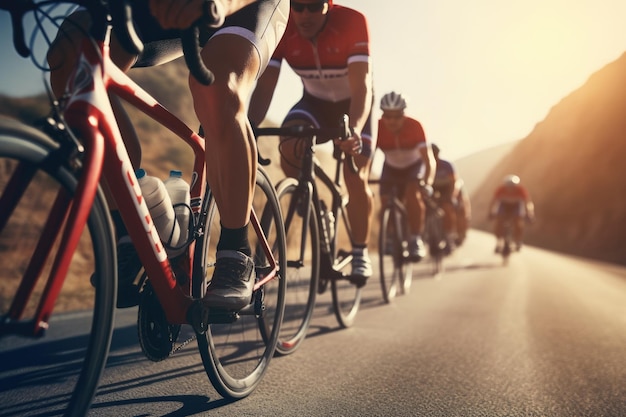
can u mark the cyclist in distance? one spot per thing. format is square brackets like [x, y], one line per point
[327, 46]
[238, 40]
[511, 202]
[463, 213]
[446, 187]
[408, 158]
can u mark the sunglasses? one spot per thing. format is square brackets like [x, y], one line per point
[311, 7]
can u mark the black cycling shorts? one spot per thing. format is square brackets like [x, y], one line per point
[326, 114]
[262, 22]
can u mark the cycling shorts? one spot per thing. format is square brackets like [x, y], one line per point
[327, 114]
[262, 23]
[398, 177]
[510, 210]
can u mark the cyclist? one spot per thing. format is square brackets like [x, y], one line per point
[236, 50]
[446, 187]
[463, 213]
[511, 203]
[327, 46]
[407, 158]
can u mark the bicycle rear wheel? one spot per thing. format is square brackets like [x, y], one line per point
[58, 373]
[346, 295]
[302, 266]
[435, 239]
[236, 355]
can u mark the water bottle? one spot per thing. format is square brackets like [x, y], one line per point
[178, 190]
[160, 207]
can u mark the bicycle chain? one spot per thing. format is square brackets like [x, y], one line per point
[182, 345]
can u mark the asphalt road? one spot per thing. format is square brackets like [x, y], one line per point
[543, 336]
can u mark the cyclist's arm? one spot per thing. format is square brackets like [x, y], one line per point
[430, 165]
[262, 94]
[360, 79]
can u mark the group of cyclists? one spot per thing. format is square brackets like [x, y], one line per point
[244, 43]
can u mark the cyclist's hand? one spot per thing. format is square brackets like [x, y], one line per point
[181, 14]
[351, 146]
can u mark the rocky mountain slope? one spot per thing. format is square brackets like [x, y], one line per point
[570, 162]
[572, 165]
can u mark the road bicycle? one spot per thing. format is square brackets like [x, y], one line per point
[508, 244]
[395, 265]
[319, 235]
[55, 224]
[434, 234]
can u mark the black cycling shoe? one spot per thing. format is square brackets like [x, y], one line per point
[232, 282]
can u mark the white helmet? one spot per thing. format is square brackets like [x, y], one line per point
[392, 101]
[511, 180]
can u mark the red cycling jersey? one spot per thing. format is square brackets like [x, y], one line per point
[514, 194]
[402, 149]
[323, 65]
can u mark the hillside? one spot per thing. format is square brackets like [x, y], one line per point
[161, 151]
[570, 161]
[571, 164]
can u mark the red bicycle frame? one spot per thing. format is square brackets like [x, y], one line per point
[89, 113]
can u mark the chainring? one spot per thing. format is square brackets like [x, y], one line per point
[156, 336]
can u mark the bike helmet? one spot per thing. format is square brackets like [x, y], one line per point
[392, 102]
[511, 180]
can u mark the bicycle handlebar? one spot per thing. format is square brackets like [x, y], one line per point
[342, 132]
[121, 16]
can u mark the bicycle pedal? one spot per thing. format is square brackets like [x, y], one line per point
[198, 317]
[222, 316]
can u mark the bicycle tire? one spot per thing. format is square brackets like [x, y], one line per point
[303, 265]
[406, 264]
[435, 239]
[59, 373]
[389, 255]
[236, 355]
[346, 296]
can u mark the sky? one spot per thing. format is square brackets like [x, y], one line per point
[477, 73]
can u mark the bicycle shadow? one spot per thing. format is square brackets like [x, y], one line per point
[189, 404]
[49, 365]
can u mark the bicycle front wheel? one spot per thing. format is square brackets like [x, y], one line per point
[59, 373]
[390, 255]
[302, 265]
[236, 355]
[346, 295]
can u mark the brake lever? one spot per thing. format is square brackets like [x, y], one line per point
[190, 39]
[121, 13]
[347, 132]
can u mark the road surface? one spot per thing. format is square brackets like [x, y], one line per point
[543, 336]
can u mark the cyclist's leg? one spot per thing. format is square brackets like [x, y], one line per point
[449, 218]
[236, 55]
[62, 57]
[498, 229]
[360, 210]
[306, 112]
[518, 231]
[416, 210]
[361, 205]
